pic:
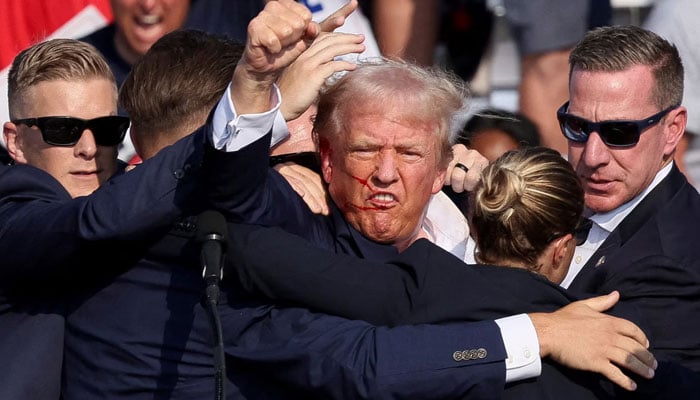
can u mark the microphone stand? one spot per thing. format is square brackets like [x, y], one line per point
[211, 233]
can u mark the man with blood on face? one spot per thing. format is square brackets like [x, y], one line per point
[391, 155]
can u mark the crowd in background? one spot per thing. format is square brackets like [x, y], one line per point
[460, 35]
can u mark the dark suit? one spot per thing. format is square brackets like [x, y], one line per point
[653, 259]
[258, 194]
[134, 325]
[422, 284]
[143, 333]
[48, 242]
[425, 284]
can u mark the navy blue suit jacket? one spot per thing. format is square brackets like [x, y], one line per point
[49, 242]
[130, 291]
[653, 259]
[425, 284]
[143, 333]
[259, 195]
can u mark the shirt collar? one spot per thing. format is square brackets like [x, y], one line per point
[447, 227]
[611, 219]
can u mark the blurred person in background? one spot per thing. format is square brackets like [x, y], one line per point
[676, 21]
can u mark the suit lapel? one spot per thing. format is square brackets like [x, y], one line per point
[641, 214]
[661, 195]
[584, 281]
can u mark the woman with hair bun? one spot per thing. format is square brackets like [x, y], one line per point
[526, 210]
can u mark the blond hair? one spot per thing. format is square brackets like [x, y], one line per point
[525, 199]
[56, 59]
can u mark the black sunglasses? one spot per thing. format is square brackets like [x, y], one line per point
[620, 133]
[66, 131]
[580, 233]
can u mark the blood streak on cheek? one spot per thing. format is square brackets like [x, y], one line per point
[362, 182]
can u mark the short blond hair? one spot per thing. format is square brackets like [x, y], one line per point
[56, 59]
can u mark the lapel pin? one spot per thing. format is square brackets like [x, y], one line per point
[600, 262]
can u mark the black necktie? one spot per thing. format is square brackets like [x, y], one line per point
[581, 231]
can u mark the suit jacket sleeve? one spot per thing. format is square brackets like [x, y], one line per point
[344, 359]
[665, 292]
[255, 192]
[41, 227]
[424, 284]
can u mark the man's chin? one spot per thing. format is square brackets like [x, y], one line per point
[83, 188]
[602, 203]
[383, 236]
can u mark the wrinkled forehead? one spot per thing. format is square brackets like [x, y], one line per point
[400, 109]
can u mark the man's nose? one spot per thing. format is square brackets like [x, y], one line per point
[147, 5]
[86, 146]
[595, 152]
[386, 171]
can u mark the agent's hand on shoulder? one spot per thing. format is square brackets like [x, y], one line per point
[307, 184]
[580, 336]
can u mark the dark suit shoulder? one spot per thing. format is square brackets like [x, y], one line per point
[24, 182]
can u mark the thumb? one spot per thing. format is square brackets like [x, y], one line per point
[603, 303]
[312, 31]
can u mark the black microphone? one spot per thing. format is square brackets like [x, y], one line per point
[212, 232]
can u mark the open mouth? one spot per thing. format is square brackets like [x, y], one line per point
[148, 19]
[382, 198]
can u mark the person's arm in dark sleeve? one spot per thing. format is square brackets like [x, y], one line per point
[41, 226]
[424, 284]
[336, 358]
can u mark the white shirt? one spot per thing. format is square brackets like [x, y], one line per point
[604, 224]
[447, 227]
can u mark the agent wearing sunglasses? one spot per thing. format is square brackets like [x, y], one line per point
[59, 217]
[79, 153]
[623, 123]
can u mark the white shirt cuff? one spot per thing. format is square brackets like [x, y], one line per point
[280, 131]
[522, 347]
[233, 132]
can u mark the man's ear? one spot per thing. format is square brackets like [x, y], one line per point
[674, 129]
[325, 153]
[14, 142]
[439, 181]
